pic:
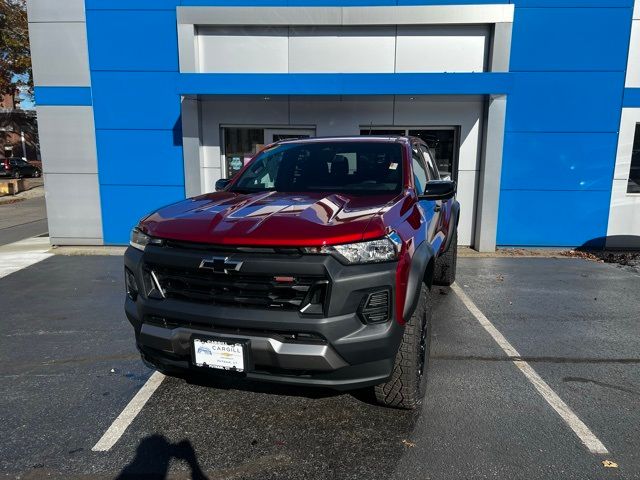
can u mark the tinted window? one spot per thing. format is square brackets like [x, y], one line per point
[349, 167]
[634, 174]
[419, 172]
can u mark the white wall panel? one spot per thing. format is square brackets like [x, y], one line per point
[442, 49]
[624, 212]
[243, 50]
[339, 49]
[59, 54]
[633, 67]
[342, 49]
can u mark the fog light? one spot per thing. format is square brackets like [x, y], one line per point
[376, 307]
[131, 284]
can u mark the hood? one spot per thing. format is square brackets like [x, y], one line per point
[271, 219]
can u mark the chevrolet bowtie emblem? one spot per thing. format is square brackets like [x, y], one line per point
[220, 264]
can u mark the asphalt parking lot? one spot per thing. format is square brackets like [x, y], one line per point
[68, 367]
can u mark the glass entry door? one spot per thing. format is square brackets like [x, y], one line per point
[442, 142]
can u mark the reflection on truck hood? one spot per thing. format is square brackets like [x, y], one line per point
[271, 218]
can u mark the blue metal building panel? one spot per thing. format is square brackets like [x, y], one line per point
[121, 40]
[558, 161]
[561, 218]
[128, 204]
[69, 96]
[344, 83]
[139, 157]
[136, 100]
[571, 39]
[565, 102]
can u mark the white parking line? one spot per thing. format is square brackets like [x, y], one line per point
[585, 435]
[16, 256]
[120, 424]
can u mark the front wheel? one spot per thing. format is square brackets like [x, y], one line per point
[408, 382]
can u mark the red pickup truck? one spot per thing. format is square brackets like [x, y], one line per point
[312, 266]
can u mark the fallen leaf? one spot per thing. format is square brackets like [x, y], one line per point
[409, 444]
[609, 464]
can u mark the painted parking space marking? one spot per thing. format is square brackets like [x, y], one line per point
[586, 436]
[120, 424]
[16, 256]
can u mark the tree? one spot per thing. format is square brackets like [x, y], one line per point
[15, 57]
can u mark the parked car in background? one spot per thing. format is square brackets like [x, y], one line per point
[15, 167]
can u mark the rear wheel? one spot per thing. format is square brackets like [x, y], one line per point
[445, 271]
[16, 174]
[408, 382]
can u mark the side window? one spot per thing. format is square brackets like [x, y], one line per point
[433, 171]
[419, 171]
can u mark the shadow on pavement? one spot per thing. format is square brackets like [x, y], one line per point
[154, 455]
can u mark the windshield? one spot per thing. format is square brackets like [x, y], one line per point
[347, 167]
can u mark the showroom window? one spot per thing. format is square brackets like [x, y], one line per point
[442, 143]
[240, 145]
[634, 173]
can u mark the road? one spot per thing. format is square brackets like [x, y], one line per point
[68, 367]
[23, 219]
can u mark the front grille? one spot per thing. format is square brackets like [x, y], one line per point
[292, 293]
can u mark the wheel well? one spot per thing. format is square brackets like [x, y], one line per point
[428, 273]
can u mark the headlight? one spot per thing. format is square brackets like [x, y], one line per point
[140, 240]
[374, 251]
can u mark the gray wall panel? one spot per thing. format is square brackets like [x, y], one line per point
[260, 15]
[67, 139]
[500, 56]
[392, 15]
[73, 206]
[59, 54]
[55, 10]
[490, 175]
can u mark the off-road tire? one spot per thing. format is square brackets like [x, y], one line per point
[408, 382]
[445, 271]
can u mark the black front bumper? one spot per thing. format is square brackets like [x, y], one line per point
[335, 349]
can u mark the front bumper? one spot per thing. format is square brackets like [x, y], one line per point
[336, 349]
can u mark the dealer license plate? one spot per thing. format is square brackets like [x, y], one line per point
[219, 354]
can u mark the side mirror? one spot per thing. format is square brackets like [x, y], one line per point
[439, 190]
[221, 184]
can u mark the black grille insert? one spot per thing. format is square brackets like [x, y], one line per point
[241, 290]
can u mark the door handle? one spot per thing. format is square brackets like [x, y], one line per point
[437, 207]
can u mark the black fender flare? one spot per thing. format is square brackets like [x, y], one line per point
[422, 266]
[455, 218]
